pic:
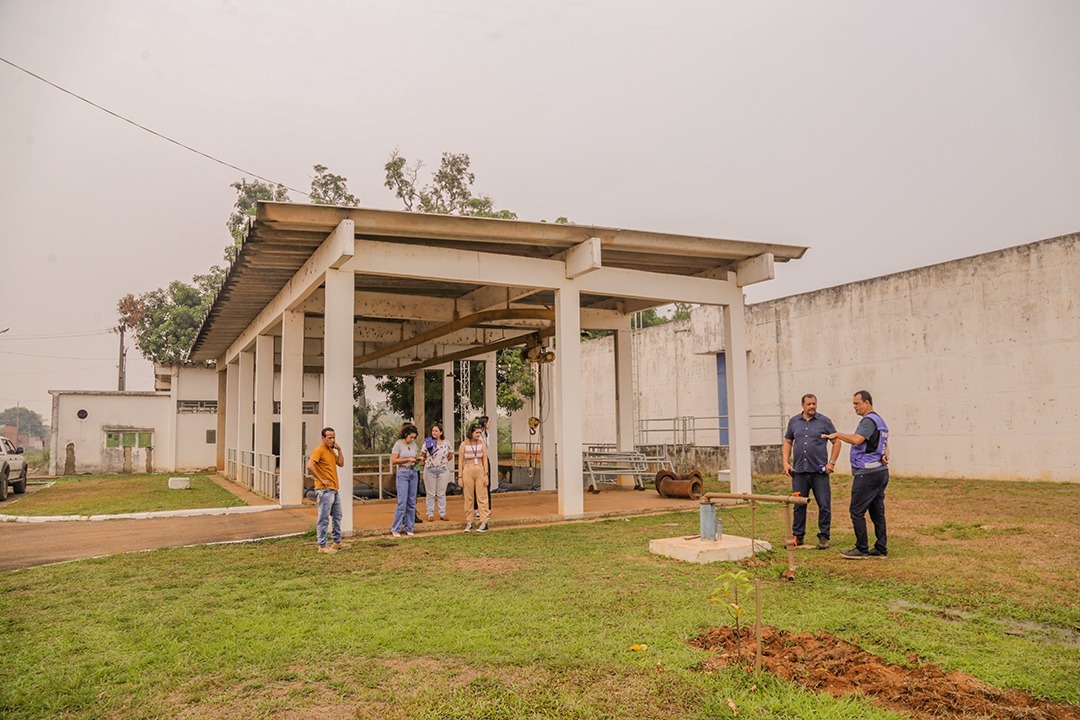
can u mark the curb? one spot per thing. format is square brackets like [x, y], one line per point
[242, 510]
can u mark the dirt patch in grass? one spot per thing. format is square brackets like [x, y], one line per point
[825, 663]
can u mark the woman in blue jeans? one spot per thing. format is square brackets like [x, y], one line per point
[403, 458]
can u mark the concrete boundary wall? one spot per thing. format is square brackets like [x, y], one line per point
[971, 362]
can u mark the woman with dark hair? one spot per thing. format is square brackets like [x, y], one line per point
[473, 475]
[404, 457]
[437, 456]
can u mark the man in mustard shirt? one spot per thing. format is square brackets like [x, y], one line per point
[321, 466]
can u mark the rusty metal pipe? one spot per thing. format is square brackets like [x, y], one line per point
[790, 499]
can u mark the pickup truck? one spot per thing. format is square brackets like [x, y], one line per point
[12, 465]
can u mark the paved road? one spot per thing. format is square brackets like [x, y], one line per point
[34, 544]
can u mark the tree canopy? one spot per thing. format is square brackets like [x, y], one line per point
[28, 421]
[449, 191]
[165, 321]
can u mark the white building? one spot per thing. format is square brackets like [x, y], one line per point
[172, 429]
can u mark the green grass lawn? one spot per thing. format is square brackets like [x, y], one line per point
[113, 494]
[538, 622]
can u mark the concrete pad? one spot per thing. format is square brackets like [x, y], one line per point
[694, 549]
[179, 483]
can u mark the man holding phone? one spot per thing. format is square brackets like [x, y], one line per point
[321, 466]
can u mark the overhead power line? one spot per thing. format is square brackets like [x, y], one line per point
[57, 336]
[52, 357]
[152, 132]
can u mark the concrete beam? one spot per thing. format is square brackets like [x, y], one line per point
[584, 258]
[333, 253]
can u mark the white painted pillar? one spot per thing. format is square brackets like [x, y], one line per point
[232, 406]
[738, 392]
[338, 379]
[418, 399]
[245, 412]
[292, 401]
[491, 409]
[264, 394]
[568, 400]
[547, 426]
[448, 403]
[174, 395]
[222, 419]
[624, 397]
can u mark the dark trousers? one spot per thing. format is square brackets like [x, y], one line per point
[804, 484]
[868, 495]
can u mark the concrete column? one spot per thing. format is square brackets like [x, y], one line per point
[448, 403]
[245, 409]
[222, 418]
[568, 400]
[169, 461]
[264, 394]
[491, 409]
[338, 378]
[624, 397]
[292, 399]
[547, 426]
[738, 390]
[418, 402]
[232, 408]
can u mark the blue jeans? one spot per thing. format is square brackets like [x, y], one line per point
[804, 483]
[868, 495]
[329, 507]
[405, 512]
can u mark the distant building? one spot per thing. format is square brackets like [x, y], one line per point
[173, 428]
[21, 439]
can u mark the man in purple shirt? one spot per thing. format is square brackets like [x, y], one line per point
[804, 456]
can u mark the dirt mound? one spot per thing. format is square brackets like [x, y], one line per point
[825, 663]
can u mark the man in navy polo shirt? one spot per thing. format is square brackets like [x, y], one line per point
[804, 456]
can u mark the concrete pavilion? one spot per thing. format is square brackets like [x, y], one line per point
[349, 291]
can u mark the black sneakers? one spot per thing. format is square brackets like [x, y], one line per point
[823, 544]
[468, 527]
[483, 527]
[857, 554]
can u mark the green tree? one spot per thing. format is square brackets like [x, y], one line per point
[330, 189]
[248, 195]
[165, 321]
[450, 192]
[28, 421]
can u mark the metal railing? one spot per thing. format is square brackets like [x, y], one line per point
[708, 431]
[265, 478]
[245, 469]
[362, 468]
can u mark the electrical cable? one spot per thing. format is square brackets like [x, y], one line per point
[52, 357]
[57, 336]
[152, 132]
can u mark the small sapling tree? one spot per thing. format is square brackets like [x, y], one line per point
[734, 588]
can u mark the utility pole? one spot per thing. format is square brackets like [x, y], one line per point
[121, 381]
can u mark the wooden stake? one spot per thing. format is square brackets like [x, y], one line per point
[757, 626]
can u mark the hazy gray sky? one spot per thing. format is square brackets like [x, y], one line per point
[883, 135]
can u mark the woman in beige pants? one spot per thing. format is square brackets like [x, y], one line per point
[473, 475]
